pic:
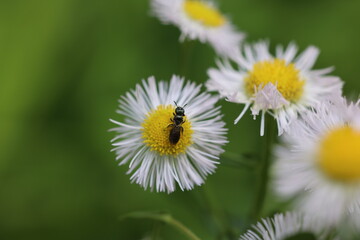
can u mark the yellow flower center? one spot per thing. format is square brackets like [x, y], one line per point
[156, 131]
[339, 155]
[284, 76]
[204, 13]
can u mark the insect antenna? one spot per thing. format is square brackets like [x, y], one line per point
[182, 106]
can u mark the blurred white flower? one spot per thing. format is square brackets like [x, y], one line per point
[281, 85]
[320, 163]
[142, 140]
[199, 19]
[285, 227]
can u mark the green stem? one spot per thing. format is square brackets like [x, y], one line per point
[263, 170]
[166, 218]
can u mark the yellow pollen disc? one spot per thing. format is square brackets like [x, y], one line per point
[156, 131]
[203, 13]
[339, 155]
[284, 76]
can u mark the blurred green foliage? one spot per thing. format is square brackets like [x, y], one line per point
[64, 63]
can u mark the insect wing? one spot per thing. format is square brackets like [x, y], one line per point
[174, 136]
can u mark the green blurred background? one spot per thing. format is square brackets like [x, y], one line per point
[63, 65]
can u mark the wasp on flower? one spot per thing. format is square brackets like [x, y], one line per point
[163, 145]
[178, 120]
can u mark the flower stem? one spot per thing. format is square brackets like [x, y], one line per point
[263, 170]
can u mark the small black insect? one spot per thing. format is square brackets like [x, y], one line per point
[178, 120]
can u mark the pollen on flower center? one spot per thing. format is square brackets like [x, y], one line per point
[203, 13]
[284, 76]
[156, 131]
[339, 155]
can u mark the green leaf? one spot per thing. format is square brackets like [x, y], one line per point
[165, 218]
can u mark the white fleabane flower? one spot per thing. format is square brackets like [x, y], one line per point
[143, 139]
[288, 226]
[198, 19]
[282, 85]
[319, 163]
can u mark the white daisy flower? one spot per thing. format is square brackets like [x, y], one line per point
[156, 159]
[320, 163]
[282, 85]
[199, 19]
[288, 226]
